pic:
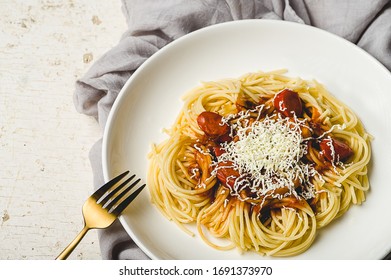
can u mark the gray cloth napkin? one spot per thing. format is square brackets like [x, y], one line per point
[153, 24]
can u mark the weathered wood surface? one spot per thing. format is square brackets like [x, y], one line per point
[45, 174]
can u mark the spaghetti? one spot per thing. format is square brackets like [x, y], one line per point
[263, 161]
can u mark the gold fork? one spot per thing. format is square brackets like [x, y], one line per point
[103, 207]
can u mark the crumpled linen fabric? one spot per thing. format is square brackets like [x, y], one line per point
[153, 24]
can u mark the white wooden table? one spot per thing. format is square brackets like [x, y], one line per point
[45, 173]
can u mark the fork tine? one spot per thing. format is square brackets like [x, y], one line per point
[110, 193]
[122, 193]
[120, 207]
[102, 190]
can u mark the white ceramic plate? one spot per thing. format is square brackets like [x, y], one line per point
[150, 101]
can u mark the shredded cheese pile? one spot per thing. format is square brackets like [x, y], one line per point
[268, 156]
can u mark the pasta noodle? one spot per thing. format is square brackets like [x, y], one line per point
[286, 159]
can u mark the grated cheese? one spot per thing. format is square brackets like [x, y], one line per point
[268, 156]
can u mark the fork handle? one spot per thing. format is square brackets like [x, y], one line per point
[69, 249]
